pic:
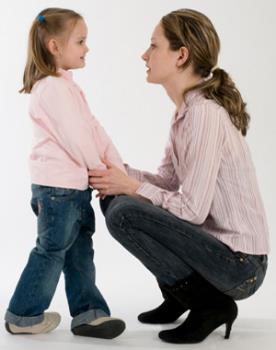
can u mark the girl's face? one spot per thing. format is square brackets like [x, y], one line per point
[161, 61]
[72, 53]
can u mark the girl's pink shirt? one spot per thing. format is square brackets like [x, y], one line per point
[68, 140]
[207, 177]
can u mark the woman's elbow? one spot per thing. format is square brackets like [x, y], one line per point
[193, 216]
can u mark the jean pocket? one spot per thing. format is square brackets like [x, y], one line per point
[59, 192]
[248, 287]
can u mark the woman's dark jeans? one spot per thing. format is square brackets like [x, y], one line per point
[172, 248]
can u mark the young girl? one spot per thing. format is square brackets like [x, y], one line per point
[204, 234]
[68, 141]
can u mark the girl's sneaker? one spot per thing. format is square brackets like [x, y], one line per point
[51, 321]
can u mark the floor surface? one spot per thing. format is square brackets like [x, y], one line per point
[247, 334]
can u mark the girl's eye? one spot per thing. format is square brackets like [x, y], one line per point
[152, 46]
[81, 42]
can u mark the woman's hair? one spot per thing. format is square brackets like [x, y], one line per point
[51, 22]
[196, 32]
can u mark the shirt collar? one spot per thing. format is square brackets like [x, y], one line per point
[67, 74]
[190, 97]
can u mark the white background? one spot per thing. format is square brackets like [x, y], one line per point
[136, 115]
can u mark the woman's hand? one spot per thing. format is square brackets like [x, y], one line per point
[112, 181]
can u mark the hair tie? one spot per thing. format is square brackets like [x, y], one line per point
[41, 19]
[214, 68]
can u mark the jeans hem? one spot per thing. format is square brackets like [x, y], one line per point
[23, 321]
[87, 317]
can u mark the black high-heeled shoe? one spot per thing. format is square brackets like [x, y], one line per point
[209, 309]
[200, 323]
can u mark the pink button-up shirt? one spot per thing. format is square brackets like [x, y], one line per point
[207, 177]
[68, 140]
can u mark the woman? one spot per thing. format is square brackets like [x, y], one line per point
[200, 227]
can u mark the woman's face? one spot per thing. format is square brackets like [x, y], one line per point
[160, 59]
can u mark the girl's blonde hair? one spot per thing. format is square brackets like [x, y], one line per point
[196, 32]
[51, 22]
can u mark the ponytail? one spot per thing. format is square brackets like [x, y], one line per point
[221, 88]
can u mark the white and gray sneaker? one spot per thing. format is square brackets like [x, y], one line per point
[50, 321]
[103, 327]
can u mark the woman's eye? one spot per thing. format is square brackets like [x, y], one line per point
[81, 42]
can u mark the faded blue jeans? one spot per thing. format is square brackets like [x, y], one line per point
[65, 225]
[172, 248]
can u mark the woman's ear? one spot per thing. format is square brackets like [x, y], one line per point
[183, 56]
[54, 47]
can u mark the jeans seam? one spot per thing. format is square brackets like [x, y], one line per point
[163, 223]
[131, 238]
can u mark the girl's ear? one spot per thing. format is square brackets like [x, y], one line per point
[54, 47]
[183, 56]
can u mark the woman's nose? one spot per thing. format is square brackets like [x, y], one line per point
[145, 56]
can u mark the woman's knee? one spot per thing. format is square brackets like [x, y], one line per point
[119, 210]
[116, 209]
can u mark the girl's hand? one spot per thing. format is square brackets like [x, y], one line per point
[112, 181]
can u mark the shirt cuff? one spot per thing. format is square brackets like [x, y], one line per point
[132, 172]
[151, 192]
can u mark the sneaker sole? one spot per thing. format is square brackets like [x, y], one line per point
[15, 333]
[9, 330]
[106, 330]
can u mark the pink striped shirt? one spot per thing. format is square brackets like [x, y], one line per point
[207, 177]
[68, 140]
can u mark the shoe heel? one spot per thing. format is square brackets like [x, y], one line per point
[228, 329]
[8, 327]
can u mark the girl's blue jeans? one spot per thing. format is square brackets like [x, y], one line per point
[65, 225]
